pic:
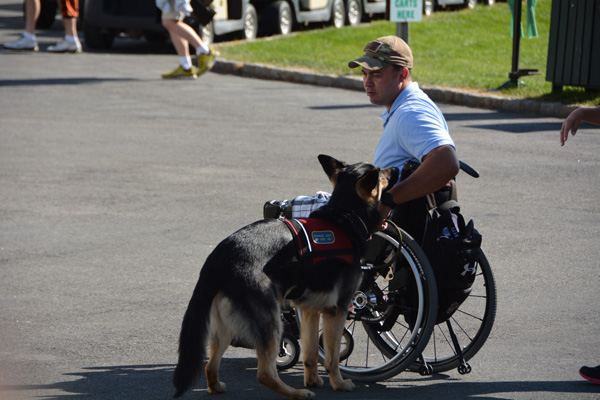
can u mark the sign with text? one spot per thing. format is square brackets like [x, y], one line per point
[406, 10]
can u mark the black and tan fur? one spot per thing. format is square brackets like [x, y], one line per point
[246, 278]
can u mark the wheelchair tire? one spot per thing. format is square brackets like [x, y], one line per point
[472, 323]
[385, 348]
[289, 352]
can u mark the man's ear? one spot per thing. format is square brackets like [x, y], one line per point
[331, 166]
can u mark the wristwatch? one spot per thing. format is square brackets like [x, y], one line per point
[388, 200]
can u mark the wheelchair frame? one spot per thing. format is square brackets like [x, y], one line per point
[386, 334]
[390, 332]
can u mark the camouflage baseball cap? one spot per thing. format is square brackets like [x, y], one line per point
[387, 50]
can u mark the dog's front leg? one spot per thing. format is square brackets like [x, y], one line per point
[333, 328]
[309, 336]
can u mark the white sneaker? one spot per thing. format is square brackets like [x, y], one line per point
[22, 44]
[64, 46]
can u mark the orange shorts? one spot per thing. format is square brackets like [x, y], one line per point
[69, 8]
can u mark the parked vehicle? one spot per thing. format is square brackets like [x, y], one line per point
[429, 6]
[232, 16]
[103, 20]
[106, 19]
[280, 16]
[47, 13]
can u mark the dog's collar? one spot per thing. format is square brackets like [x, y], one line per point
[353, 218]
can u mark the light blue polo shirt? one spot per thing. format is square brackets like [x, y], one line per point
[412, 127]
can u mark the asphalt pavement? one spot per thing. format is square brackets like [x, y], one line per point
[115, 185]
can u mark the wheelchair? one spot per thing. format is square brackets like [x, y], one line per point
[391, 325]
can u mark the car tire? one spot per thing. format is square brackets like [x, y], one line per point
[48, 10]
[250, 23]
[354, 12]
[207, 33]
[428, 7]
[97, 38]
[338, 14]
[278, 18]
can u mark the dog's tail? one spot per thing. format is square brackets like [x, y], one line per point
[192, 340]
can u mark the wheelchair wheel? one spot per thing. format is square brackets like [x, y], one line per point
[471, 323]
[289, 352]
[346, 345]
[394, 309]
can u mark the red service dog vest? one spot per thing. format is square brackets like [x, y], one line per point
[318, 240]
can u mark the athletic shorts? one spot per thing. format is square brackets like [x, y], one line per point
[69, 8]
[178, 15]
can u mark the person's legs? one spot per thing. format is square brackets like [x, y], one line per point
[32, 13]
[180, 42]
[28, 41]
[182, 36]
[70, 12]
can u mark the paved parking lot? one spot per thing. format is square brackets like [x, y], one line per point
[115, 185]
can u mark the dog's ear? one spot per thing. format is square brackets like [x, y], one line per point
[331, 166]
[367, 186]
[392, 174]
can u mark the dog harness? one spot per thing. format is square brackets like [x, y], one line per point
[318, 241]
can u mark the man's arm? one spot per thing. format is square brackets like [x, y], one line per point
[437, 168]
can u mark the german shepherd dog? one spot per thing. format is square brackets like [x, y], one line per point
[244, 282]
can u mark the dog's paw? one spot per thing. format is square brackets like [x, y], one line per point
[217, 388]
[315, 381]
[303, 394]
[345, 386]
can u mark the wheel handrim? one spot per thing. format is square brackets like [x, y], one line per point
[391, 347]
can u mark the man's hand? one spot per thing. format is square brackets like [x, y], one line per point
[384, 211]
[570, 125]
[579, 115]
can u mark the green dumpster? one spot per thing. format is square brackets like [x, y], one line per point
[574, 44]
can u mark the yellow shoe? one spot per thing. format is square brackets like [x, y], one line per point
[180, 73]
[207, 61]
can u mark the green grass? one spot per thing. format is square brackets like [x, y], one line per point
[466, 49]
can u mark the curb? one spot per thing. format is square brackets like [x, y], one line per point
[437, 94]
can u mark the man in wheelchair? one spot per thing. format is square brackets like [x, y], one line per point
[415, 135]
[403, 295]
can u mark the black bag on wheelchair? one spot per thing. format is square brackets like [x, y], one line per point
[453, 249]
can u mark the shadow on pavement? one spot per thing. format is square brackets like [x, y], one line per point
[154, 382]
[343, 106]
[453, 388]
[60, 81]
